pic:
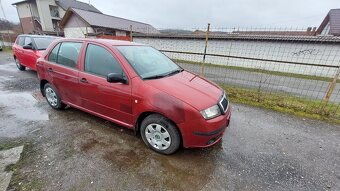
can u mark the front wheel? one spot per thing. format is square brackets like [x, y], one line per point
[52, 97]
[160, 134]
[18, 64]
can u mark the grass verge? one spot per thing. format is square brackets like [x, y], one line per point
[7, 49]
[8, 145]
[23, 179]
[285, 103]
[286, 74]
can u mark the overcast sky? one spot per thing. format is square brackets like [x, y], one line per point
[220, 13]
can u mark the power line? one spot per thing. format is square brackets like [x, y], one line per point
[2, 8]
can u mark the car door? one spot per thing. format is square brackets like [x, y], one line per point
[112, 100]
[28, 55]
[62, 67]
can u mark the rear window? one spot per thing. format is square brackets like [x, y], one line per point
[28, 41]
[42, 43]
[21, 41]
[66, 54]
[54, 54]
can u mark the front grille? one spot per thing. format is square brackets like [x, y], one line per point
[224, 103]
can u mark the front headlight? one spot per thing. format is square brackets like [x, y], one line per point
[211, 112]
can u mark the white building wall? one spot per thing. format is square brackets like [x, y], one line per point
[77, 32]
[121, 33]
[34, 9]
[45, 15]
[24, 10]
[326, 29]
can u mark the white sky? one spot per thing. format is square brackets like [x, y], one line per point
[220, 13]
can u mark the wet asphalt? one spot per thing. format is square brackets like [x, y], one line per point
[73, 150]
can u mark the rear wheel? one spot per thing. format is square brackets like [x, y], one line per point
[160, 134]
[18, 64]
[52, 97]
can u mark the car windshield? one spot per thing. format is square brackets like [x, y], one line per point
[148, 62]
[42, 42]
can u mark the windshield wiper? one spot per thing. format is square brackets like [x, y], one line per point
[175, 72]
[164, 75]
[154, 77]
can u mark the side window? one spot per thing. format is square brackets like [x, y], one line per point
[21, 41]
[68, 54]
[100, 62]
[54, 54]
[28, 41]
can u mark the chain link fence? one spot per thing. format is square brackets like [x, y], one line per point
[295, 65]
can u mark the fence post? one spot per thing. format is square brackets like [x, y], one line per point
[331, 86]
[86, 35]
[131, 33]
[205, 48]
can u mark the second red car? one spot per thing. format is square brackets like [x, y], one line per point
[28, 48]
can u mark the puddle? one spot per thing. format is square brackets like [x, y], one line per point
[22, 106]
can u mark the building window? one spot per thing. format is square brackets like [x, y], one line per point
[54, 11]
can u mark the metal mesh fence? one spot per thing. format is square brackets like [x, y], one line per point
[270, 62]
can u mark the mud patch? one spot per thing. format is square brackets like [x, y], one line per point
[89, 145]
[21, 84]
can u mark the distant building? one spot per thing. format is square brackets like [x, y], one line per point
[331, 24]
[82, 23]
[43, 16]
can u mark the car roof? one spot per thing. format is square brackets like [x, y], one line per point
[107, 42]
[38, 36]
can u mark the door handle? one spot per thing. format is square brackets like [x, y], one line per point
[50, 70]
[84, 80]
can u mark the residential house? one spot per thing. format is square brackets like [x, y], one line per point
[331, 24]
[84, 23]
[43, 16]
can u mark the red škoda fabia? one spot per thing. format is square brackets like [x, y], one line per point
[135, 86]
[28, 48]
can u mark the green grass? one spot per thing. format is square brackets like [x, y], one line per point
[22, 179]
[9, 145]
[10, 167]
[7, 49]
[302, 76]
[285, 103]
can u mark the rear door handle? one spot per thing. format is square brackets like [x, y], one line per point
[84, 80]
[50, 70]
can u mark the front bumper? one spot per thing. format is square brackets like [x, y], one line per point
[204, 133]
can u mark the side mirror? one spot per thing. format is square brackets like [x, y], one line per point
[28, 47]
[116, 78]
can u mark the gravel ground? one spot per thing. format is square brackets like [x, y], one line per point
[72, 150]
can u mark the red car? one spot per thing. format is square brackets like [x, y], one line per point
[135, 86]
[28, 48]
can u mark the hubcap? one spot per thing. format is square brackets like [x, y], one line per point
[158, 136]
[51, 96]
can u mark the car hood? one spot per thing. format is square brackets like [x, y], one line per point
[189, 88]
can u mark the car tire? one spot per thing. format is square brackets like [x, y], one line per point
[18, 64]
[160, 134]
[53, 98]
